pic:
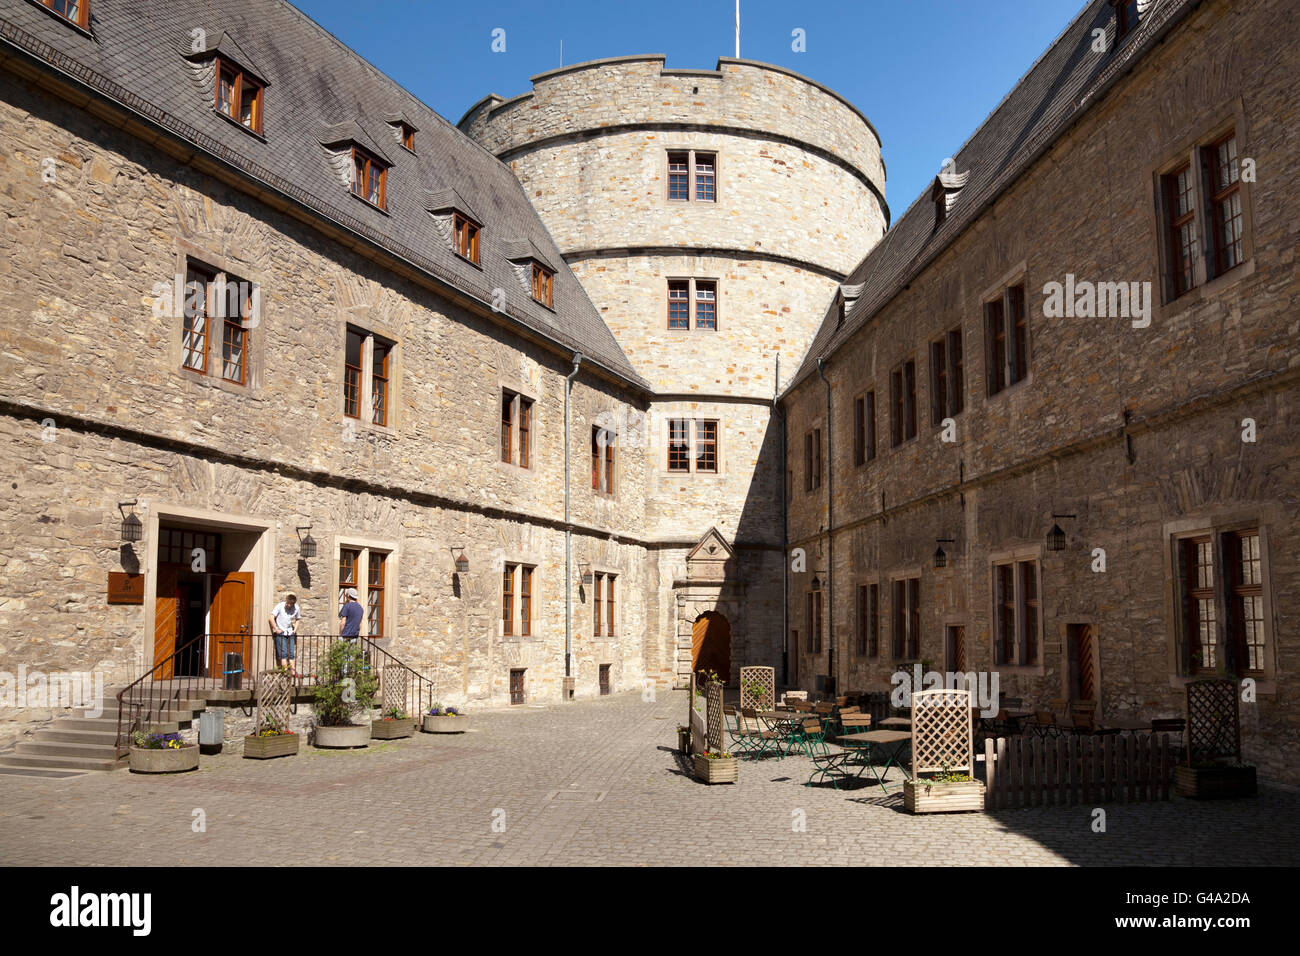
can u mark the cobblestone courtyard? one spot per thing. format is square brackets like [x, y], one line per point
[593, 782]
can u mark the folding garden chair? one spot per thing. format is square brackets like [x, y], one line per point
[740, 741]
[759, 738]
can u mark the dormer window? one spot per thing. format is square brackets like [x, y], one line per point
[74, 11]
[369, 178]
[238, 96]
[945, 191]
[1127, 15]
[406, 134]
[543, 281]
[466, 237]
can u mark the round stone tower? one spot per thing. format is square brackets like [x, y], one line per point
[710, 215]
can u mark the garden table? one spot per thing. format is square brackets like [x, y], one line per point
[897, 722]
[1126, 724]
[893, 742]
[787, 725]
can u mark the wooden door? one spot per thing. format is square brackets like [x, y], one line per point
[230, 620]
[604, 679]
[955, 656]
[516, 686]
[166, 620]
[1083, 670]
[711, 646]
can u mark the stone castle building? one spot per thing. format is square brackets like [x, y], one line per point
[632, 373]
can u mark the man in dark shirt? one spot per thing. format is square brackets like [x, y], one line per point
[350, 615]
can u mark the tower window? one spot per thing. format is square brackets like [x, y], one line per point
[692, 176]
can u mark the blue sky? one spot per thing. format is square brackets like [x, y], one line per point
[925, 72]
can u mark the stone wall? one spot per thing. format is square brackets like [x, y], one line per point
[1137, 432]
[97, 410]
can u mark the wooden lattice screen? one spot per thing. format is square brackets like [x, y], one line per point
[941, 731]
[1213, 728]
[713, 713]
[758, 687]
[394, 690]
[272, 699]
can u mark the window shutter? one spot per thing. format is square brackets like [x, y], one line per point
[1182, 601]
[1223, 604]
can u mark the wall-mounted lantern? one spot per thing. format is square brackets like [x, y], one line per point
[816, 583]
[1056, 537]
[132, 528]
[584, 572]
[941, 556]
[462, 561]
[306, 543]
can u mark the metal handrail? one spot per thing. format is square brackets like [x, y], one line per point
[152, 698]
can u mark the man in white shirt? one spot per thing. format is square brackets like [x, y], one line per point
[285, 617]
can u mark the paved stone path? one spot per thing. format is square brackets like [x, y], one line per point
[592, 782]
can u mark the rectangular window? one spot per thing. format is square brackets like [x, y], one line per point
[1126, 17]
[603, 442]
[348, 561]
[407, 135]
[369, 178]
[77, 11]
[679, 444]
[706, 305]
[706, 446]
[1180, 203]
[225, 301]
[817, 457]
[860, 645]
[516, 428]
[692, 176]
[525, 431]
[508, 599]
[603, 606]
[1017, 613]
[194, 330]
[375, 593]
[907, 618]
[466, 236]
[902, 383]
[358, 376]
[679, 304]
[508, 426]
[238, 96]
[543, 283]
[609, 605]
[1006, 336]
[597, 605]
[1246, 602]
[946, 374]
[814, 622]
[873, 620]
[352, 374]
[812, 460]
[525, 601]
[380, 352]
[1225, 203]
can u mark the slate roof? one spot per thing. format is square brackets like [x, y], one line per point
[141, 56]
[1059, 87]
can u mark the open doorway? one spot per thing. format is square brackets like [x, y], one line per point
[711, 645]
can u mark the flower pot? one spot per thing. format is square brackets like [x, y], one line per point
[342, 736]
[684, 741]
[1212, 783]
[263, 748]
[392, 729]
[445, 725]
[717, 770]
[167, 760]
[920, 796]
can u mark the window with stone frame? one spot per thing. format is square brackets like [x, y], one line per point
[698, 297]
[692, 176]
[603, 605]
[603, 443]
[508, 599]
[367, 376]
[693, 445]
[74, 11]
[525, 600]
[1006, 339]
[1017, 614]
[376, 564]
[814, 621]
[812, 460]
[1220, 597]
[868, 620]
[1202, 213]
[902, 399]
[864, 428]
[907, 618]
[947, 377]
[366, 569]
[217, 317]
[516, 429]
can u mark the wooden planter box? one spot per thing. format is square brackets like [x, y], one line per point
[143, 760]
[263, 748]
[1212, 783]
[342, 736]
[722, 770]
[392, 729]
[920, 797]
[445, 725]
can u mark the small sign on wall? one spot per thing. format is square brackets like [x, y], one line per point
[125, 588]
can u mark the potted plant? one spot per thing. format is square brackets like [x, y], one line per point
[1213, 779]
[162, 753]
[392, 724]
[346, 687]
[444, 720]
[717, 766]
[270, 740]
[943, 792]
[684, 740]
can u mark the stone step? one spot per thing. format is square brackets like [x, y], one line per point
[23, 770]
[86, 723]
[46, 762]
[55, 748]
[182, 715]
[59, 733]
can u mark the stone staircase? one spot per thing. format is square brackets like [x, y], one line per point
[80, 744]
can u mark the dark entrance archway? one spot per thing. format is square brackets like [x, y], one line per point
[711, 645]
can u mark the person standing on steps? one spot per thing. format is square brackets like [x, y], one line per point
[285, 618]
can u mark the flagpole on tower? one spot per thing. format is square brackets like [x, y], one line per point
[737, 29]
